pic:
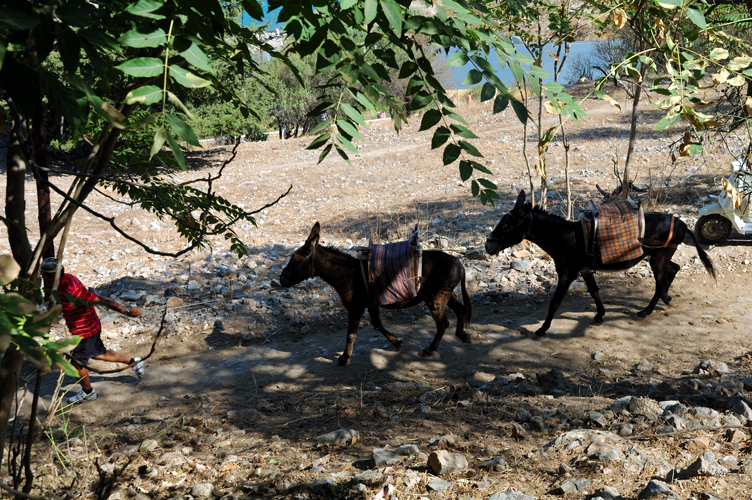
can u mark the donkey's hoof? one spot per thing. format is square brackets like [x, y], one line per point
[426, 353]
[465, 338]
[597, 320]
[540, 332]
[666, 299]
[343, 360]
[398, 344]
[642, 314]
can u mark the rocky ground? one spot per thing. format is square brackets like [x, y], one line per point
[243, 397]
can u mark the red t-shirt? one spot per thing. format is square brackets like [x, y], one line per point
[82, 321]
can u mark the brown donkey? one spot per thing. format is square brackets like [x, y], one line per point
[441, 274]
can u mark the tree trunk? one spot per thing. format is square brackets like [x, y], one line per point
[39, 139]
[10, 368]
[632, 133]
[15, 199]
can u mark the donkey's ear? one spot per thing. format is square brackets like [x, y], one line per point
[520, 201]
[313, 238]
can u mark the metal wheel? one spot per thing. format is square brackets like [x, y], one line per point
[712, 229]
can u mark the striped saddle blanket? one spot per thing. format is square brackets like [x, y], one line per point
[618, 228]
[394, 271]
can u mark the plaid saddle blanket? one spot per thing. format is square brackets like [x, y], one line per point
[391, 272]
[618, 232]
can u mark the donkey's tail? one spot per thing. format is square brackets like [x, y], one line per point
[703, 256]
[466, 299]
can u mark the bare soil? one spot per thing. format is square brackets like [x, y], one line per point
[283, 388]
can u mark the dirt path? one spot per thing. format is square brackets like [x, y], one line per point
[265, 363]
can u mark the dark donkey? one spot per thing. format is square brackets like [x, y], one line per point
[441, 274]
[565, 243]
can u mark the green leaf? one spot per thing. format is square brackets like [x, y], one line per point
[179, 104]
[145, 8]
[697, 17]
[458, 59]
[470, 149]
[142, 67]
[253, 8]
[176, 151]
[353, 113]
[500, 103]
[347, 143]
[69, 47]
[324, 152]
[15, 20]
[670, 4]
[393, 14]
[487, 92]
[321, 126]
[440, 136]
[370, 10]
[138, 40]
[2, 54]
[182, 130]
[159, 139]
[187, 79]
[463, 132]
[487, 184]
[99, 39]
[407, 69]
[466, 170]
[349, 129]
[473, 77]
[522, 112]
[430, 118]
[451, 153]
[671, 118]
[347, 4]
[319, 141]
[196, 58]
[343, 154]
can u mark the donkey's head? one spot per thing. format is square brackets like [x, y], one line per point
[301, 267]
[512, 227]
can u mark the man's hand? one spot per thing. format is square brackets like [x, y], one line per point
[132, 312]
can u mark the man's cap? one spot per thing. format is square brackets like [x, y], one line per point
[49, 266]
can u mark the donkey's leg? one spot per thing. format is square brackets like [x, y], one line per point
[459, 309]
[592, 287]
[353, 319]
[565, 280]
[671, 271]
[373, 311]
[437, 306]
[659, 263]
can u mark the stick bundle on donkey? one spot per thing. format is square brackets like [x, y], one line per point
[441, 274]
[565, 242]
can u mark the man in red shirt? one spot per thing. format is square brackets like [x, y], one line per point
[82, 320]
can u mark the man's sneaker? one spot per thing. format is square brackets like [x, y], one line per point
[82, 397]
[138, 368]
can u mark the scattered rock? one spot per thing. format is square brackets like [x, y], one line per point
[706, 465]
[654, 488]
[510, 494]
[341, 437]
[441, 462]
[202, 490]
[608, 493]
[438, 485]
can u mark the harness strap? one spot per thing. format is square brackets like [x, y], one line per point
[670, 232]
